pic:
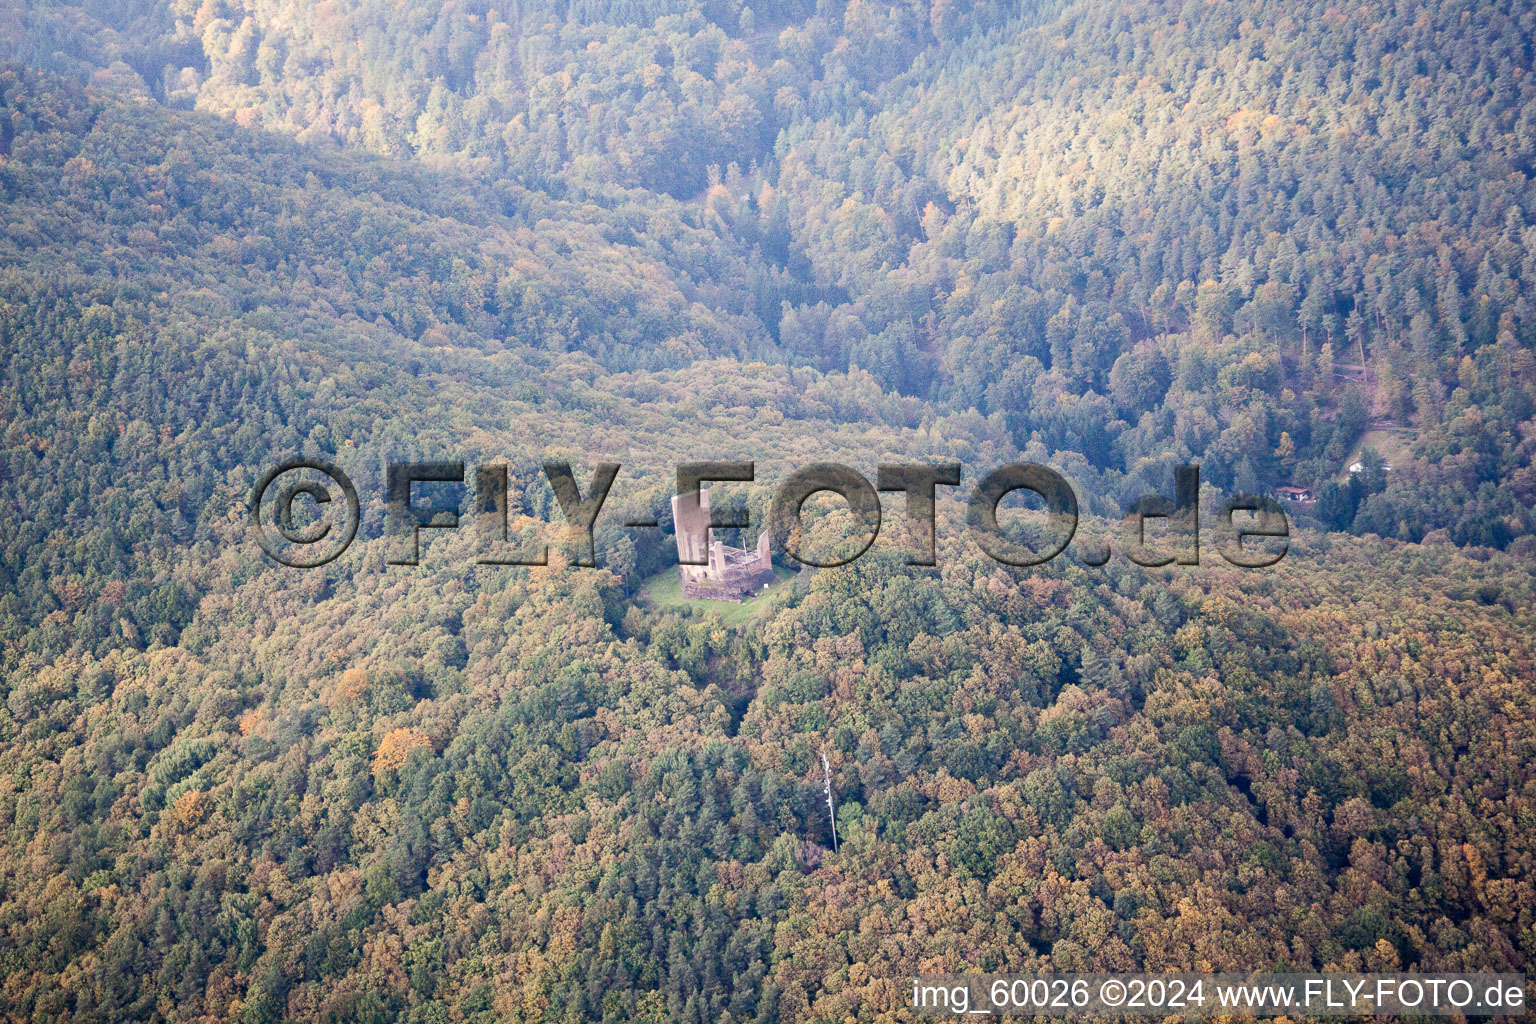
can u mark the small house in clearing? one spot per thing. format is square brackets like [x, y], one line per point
[1358, 466]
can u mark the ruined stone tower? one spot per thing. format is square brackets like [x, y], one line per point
[728, 574]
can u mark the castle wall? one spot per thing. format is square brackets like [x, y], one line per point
[728, 574]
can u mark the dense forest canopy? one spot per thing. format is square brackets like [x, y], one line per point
[1264, 236]
[1269, 238]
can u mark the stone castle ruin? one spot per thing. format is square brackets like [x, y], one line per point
[727, 574]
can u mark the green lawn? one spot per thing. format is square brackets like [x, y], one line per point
[665, 590]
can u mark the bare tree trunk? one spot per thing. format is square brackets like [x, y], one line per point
[826, 769]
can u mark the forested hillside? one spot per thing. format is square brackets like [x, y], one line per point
[1238, 231]
[1261, 235]
[1267, 238]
